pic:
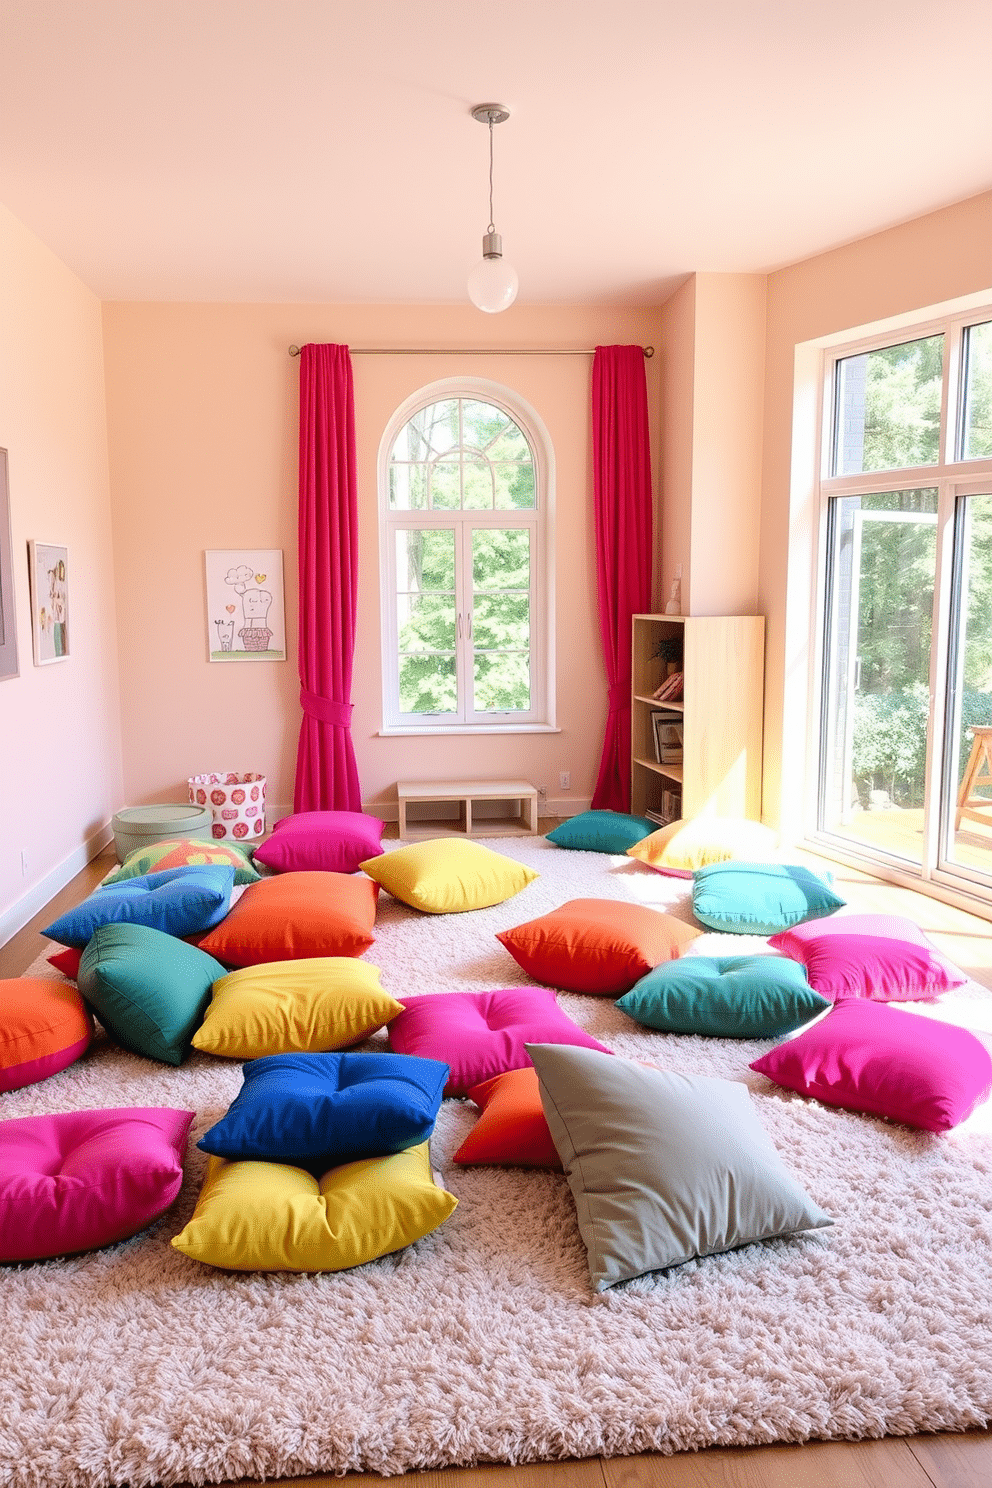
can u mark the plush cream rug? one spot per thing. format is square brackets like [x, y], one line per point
[485, 1342]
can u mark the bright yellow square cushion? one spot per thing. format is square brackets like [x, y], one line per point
[448, 874]
[266, 1216]
[688, 845]
[280, 1007]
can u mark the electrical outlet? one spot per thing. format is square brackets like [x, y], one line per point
[678, 570]
[565, 780]
[542, 793]
[24, 862]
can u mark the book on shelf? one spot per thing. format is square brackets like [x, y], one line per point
[670, 690]
[670, 809]
[666, 729]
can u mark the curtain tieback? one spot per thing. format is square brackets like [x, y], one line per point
[618, 695]
[324, 710]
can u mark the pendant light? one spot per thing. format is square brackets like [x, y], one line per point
[492, 284]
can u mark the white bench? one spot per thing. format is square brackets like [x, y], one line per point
[494, 808]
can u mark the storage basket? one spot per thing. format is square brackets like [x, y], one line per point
[142, 826]
[237, 802]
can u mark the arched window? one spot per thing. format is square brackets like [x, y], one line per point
[465, 495]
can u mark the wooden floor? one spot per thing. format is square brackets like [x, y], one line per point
[931, 1461]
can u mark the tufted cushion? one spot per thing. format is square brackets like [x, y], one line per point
[180, 901]
[83, 1179]
[267, 1216]
[724, 997]
[44, 1027]
[318, 1109]
[481, 1034]
[596, 945]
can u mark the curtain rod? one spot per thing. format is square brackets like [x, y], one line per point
[469, 351]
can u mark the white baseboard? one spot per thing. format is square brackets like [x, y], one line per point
[16, 916]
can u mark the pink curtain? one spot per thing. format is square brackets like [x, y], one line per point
[326, 772]
[622, 487]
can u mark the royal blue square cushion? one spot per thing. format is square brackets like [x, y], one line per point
[482, 1034]
[601, 831]
[317, 1110]
[725, 997]
[759, 898]
[179, 901]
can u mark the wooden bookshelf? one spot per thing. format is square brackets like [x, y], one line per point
[722, 661]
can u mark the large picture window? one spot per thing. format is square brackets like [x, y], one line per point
[906, 577]
[465, 499]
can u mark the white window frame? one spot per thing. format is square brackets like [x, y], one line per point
[953, 476]
[539, 521]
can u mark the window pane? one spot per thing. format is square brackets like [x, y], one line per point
[407, 487]
[425, 622]
[501, 558]
[877, 695]
[477, 478]
[502, 682]
[888, 407]
[446, 487]
[427, 684]
[978, 392]
[425, 559]
[515, 487]
[482, 424]
[501, 622]
[970, 831]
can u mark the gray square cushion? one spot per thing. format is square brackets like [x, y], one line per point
[663, 1166]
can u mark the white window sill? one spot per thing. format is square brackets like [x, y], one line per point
[479, 729]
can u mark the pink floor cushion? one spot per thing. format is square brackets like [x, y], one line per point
[83, 1179]
[885, 1061]
[883, 957]
[332, 841]
[482, 1034]
[44, 1027]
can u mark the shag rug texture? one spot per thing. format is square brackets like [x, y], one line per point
[484, 1341]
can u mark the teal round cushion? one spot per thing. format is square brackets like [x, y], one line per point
[725, 997]
[602, 831]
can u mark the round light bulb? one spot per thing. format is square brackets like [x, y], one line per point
[493, 284]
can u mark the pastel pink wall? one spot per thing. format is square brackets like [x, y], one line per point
[202, 418]
[712, 399]
[60, 746]
[908, 269]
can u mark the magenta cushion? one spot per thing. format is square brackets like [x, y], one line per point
[883, 957]
[883, 1060]
[328, 841]
[83, 1179]
[482, 1034]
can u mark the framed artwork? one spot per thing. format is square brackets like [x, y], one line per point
[246, 612]
[48, 571]
[8, 628]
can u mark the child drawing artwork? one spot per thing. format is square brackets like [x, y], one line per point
[225, 633]
[50, 602]
[246, 605]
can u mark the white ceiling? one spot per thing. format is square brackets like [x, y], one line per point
[323, 150]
